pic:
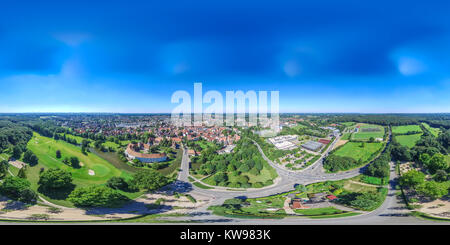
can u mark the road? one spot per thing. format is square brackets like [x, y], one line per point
[392, 211]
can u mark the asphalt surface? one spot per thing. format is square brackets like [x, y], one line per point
[391, 212]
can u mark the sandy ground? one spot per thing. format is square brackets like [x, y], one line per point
[339, 143]
[16, 210]
[17, 164]
[439, 208]
[405, 167]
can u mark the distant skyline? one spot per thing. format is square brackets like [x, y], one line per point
[130, 56]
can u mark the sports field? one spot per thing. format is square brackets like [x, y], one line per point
[45, 149]
[408, 140]
[355, 151]
[364, 133]
[405, 129]
[434, 131]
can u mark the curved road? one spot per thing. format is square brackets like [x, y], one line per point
[392, 211]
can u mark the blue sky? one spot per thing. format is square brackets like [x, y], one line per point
[130, 56]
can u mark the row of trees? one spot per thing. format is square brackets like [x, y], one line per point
[14, 134]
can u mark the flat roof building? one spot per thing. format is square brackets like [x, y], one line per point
[312, 145]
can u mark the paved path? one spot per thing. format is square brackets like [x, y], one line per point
[392, 211]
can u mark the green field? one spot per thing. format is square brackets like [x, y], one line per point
[348, 124]
[434, 131]
[346, 136]
[360, 135]
[405, 129]
[355, 151]
[4, 156]
[408, 140]
[45, 149]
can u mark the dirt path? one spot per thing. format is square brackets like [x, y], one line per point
[360, 183]
[339, 143]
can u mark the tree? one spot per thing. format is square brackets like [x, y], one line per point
[220, 177]
[149, 180]
[433, 189]
[55, 178]
[3, 167]
[75, 162]
[366, 200]
[97, 196]
[424, 158]
[117, 183]
[22, 174]
[13, 186]
[17, 152]
[412, 179]
[28, 196]
[437, 162]
[441, 176]
[30, 158]
[300, 188]
[58, 154]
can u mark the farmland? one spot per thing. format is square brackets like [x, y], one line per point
[367, 131]
[408, 140]
[405, 129]
[358, 152]
[434, 131]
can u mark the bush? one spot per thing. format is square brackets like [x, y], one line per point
[118, 183]
[149, 180]
[13, 186]
[97, 196]
[28, 196]
[55, 178]
[257, 185]
[268, 182]
[334, 163]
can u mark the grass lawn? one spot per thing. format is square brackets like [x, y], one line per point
[45, 149]
[357, 187]
[355, 151]
[408, 140]
[346, 136]
[4, 156]
[200, 185]
[361, 135]
[348, 124]
[299, 126]
[405, 129]
[434, 131]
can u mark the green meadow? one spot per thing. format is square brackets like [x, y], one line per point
[434, 131]
[405, 129]
[408, 140]
[361, 135]
[355, 151]
[45, 149]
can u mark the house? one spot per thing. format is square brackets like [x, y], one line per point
[331, 197]
[296, 204]
[324, 141]
[192, 152]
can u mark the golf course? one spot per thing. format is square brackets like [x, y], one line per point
[93, 169]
